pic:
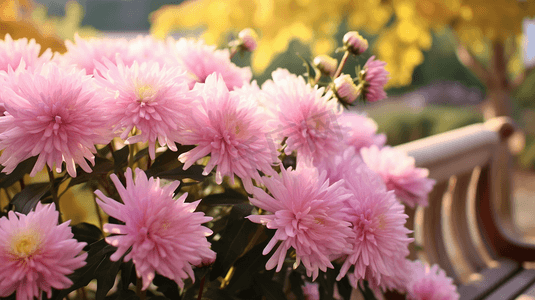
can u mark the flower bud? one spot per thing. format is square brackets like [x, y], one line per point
[248, 38]
[326, 64]
[346, 90]
[355, 43]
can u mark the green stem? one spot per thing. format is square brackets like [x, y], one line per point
[201, 287]
[54, 192]
[139, 292]
[341, 65]
[233, 52]
[97, 211]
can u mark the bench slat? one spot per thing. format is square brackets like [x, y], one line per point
[490, 279]
[514, 286]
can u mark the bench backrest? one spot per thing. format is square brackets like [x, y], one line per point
[468, 225]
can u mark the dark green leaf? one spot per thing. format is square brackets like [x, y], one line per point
[193, 172]
[120, 157]
[28, 198]
[23, 168]
[85, 232]
[247, 265]
[141, 153]
[102, 167]
[123, 295]
[229, 197]
[170, 158]
[167, 287]
[271, 290]
[128, 275]
[234, 239]
[98, 266]
[366, 291]
[326, 284]
[344, 288]
[296, 285]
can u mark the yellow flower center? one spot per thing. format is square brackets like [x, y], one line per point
[25, 244]
[145, 91]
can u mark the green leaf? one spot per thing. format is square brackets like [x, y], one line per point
[27, 199]
[366, 291]
[85, 232]
[23, 168]
[247, 265]
[296, 285]
[123, 295]
[167, 287]
[229, 197]
[120, 157]
[169, 157]
[234, 239]
[128, 275]
[102, 167]
[344, 288]
[271, 290]
[193, 172]
[98, 266]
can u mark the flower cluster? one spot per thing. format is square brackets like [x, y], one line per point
[285, 154]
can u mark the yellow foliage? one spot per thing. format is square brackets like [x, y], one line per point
[400, 43]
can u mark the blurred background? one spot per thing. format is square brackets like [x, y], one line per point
[452, 62]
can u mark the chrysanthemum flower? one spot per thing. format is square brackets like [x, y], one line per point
[166, 235]
[355, 43]
[84, 52]
[346, 90]
[380, 241]
[397, 169]
[52, 113]
[149, 49]
[430, 283]
[308, 215]
[227, 127]
[151, 98]
[360, 131]
[13, 51]
[37, 254]
[375, 77]
[306, 117]
[203, 60]
[342, 165]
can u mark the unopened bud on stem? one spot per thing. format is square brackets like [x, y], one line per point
[355, 43]
[326, 64]
[345, 88]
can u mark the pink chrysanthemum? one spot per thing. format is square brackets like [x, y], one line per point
[84, 52]
[203, 60]
[52, 113]
[397, 169]
[375, 79]
[151, 98]
[341, 166]
[308, 215]
[36, 253]
[149, 49]
[360, 131]
[307, 118]
[13, 51]
[380, 243]
[430, 283]
[165, 235]
[227, 127]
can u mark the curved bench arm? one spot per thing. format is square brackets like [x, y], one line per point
[468, 224]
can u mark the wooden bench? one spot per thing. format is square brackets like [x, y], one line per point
[468, 228]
